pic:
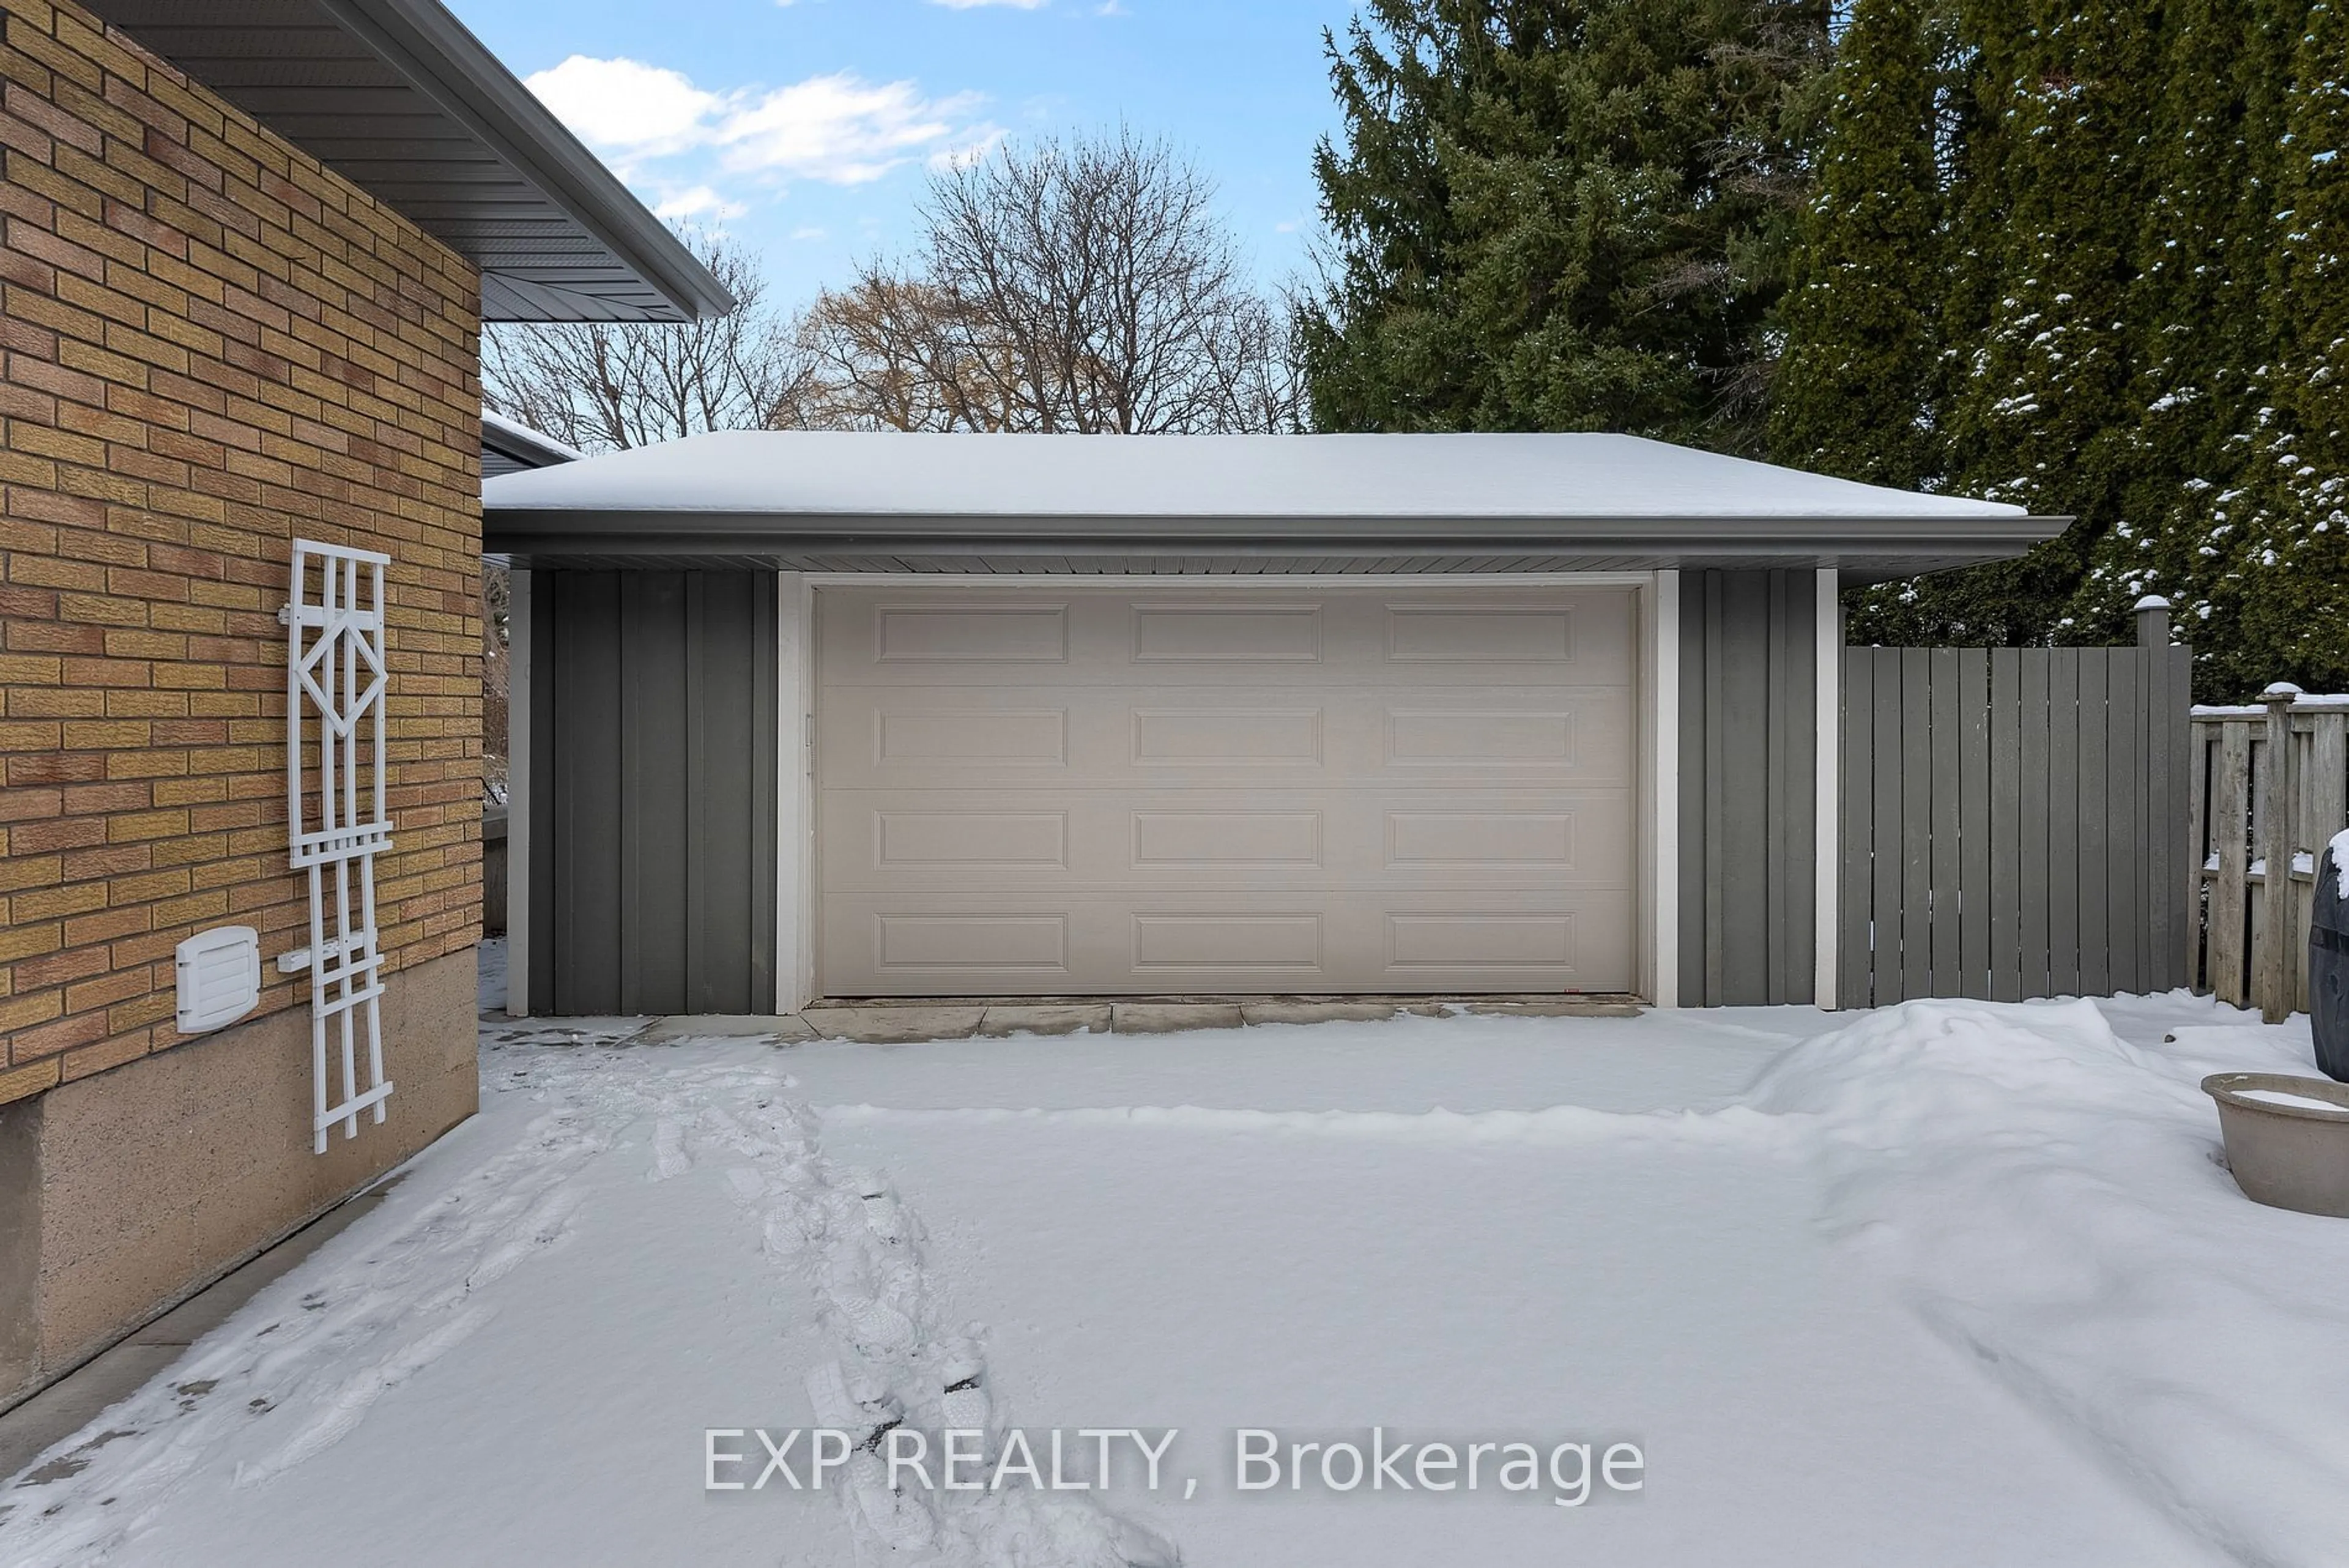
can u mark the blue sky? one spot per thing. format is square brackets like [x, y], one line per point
[807, 127]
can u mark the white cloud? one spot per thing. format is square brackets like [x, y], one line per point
[699, 201]
[839, 128]
[660, 129]
[626, 105]
[974, 5]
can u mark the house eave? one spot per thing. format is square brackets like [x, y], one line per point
[1863, 549]
[485, 167]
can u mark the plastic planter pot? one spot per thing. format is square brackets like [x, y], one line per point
[2287, 1138]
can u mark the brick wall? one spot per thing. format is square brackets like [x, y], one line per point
[210, 344]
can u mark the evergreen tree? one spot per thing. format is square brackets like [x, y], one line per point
[1855, 386]
[1981, 53]
[2286, 590]
[1560, 215]
[2197, 319]
[2134, 333]
[2045, 417]
[2206, 323]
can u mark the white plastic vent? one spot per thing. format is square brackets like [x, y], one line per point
[218, 978]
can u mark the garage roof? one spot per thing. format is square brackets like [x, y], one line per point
[860, 501]
[400, 98]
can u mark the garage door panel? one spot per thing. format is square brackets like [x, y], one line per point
[1245, 637]
[978, 944]
[981, 941]
[923, 843]
[1540, 839]
[1072, 790]
[1248, 839]
[1449, 939]
[1229, 734]
[1227, 940]
[961, 634]
[1489, 738]
[923, 739]
[1196, 837]
[1458, 737]
[1451, 634]
[1225, 632]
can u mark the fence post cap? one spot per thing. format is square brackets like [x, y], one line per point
[2283, 691]
[2152, 602]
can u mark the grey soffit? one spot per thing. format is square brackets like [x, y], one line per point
[508, 447]
[399, 97]
[1048, 567]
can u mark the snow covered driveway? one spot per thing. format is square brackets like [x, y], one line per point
[1951, 1283]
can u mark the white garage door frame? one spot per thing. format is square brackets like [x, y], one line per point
[1655, 709]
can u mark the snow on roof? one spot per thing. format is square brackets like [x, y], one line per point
[495, 426]
[836, 473]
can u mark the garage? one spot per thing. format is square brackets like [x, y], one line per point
[1169, 716]
[1145, 790]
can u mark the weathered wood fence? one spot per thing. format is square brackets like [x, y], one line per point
[2014, 820]
[2270, 789]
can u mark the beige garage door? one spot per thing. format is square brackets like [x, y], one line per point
[1129, 790]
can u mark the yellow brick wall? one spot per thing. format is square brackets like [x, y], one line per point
[211, 344]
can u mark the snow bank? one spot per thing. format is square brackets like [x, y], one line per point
[1556, 1125]
[2052, 1200]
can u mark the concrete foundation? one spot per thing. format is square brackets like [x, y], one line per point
[909, 1024]
[900, 1022]
[1079, 1018]
[125, 1193]
[1172, 1017]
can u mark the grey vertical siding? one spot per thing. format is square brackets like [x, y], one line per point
[575, 673]
[731, 755]
[655, 805]
[654, 711]
[1749, 758]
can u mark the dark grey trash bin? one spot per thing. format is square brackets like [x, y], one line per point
[2328, 970]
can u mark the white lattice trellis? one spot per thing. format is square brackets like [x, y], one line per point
[334, 720]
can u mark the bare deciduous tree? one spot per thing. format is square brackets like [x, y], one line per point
[1083, 286]
[883, 354]
[599, 386]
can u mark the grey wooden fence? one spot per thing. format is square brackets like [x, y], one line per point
[2241, 798]
[2015, 821]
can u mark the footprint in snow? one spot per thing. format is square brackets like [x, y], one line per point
[670, 1158]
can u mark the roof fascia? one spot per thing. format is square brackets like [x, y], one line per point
[551, 531]
[440, 58]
